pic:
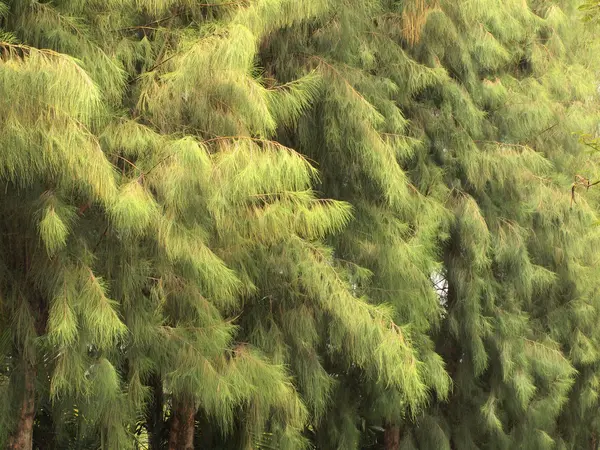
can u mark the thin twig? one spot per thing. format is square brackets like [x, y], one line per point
[154, 22]
[154, 67]
[157, 164]
[158, 21]
[101, 237]
[337, 72]
[129, 162]
[263, 141]
[581, 181]
[504, 144]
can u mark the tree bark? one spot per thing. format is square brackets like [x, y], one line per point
[187, 428]
[174, 429]
[181, 435]
[391, 437]
[154, 414]
[22, 437]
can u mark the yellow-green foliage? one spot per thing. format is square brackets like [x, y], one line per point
[306, 219]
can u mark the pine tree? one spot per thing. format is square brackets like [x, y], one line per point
[517, 262]
[152, 230]
[291, 224]
[476, 103]
[147, 206]
[358, 135]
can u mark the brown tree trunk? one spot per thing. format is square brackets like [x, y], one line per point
[391, 437]
[187, 428]
[181, 435]
[22, 437]
[174, 428]
[154, 416]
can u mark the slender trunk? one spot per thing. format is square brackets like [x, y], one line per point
[155, 417]
[174, 428]
[181, 435]
[391, 437]
[594, 442]
[22, 437]
[186, 439]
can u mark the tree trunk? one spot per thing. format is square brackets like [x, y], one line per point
[22, 437]
[174, 429]
[391, 437]
[154, 414]
[206, 436]
[187, 428]
[181, 435]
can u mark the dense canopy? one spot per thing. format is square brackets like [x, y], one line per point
[294, 224]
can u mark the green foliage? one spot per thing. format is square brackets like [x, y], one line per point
[304, 223]
[590, 10]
